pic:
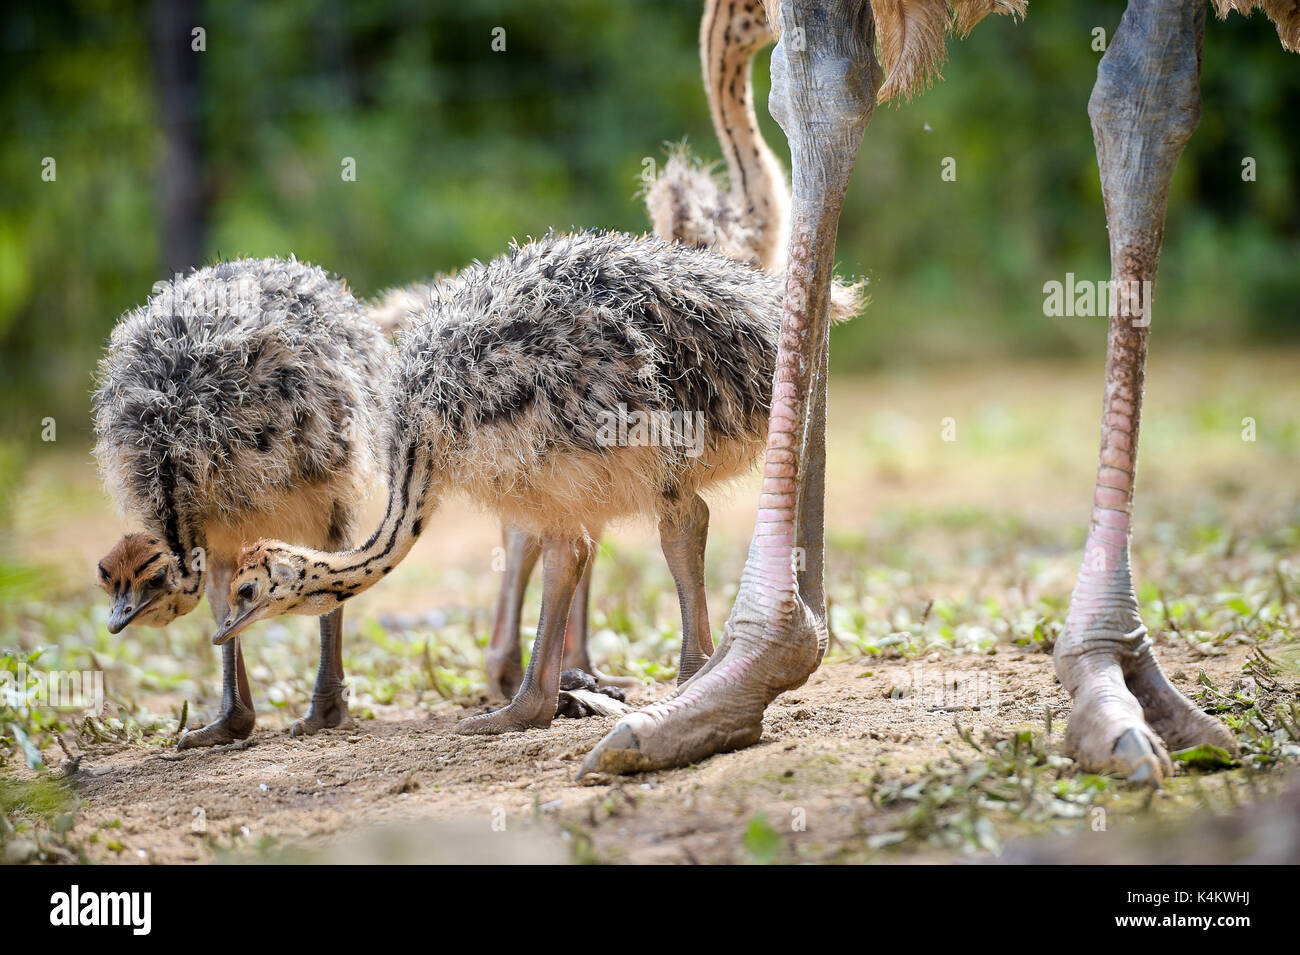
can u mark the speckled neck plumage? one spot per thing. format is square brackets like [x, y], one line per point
[731, 33]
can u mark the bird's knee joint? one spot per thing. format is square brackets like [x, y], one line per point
[1164, 126]
[1148, 83]
[841, 85]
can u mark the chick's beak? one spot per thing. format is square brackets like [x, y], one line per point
[124, 610]
[234, 624]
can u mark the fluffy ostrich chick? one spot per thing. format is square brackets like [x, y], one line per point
[239, 401]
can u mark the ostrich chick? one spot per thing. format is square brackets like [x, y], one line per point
[574, 381]
[239, 401]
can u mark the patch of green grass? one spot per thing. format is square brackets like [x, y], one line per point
[37, 816]
[25, 727]
[1020, 783]
[1010, 780]
[1204, 756]
[1263, 709]
[762, 843]
[42, 798]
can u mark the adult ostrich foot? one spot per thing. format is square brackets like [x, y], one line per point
[328, 710]
[1127, 716]
[721, 707]
[231, 726]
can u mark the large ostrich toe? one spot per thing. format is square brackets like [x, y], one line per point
[1178, 721]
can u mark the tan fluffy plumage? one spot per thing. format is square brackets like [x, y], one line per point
[1285, 15]
[910, 36]
[512, 385]
[233, 383]
[392, 308]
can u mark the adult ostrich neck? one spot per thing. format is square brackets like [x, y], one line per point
[729, 40]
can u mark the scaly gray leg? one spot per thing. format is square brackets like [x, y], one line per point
[504, 669]
[329, 698]
[237, 716]
[683, 533]
[563, 564]
[1144, 107]
[577, 655]
[824, 82]
[575, 629]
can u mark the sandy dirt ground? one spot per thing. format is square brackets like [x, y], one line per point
[412, 788]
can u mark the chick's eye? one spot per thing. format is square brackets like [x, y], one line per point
[158, 579]
[246, 593]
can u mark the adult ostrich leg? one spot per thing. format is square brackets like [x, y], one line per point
[824, 82]
[1144, 107]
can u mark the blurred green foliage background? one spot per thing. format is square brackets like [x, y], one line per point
[459, 148]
